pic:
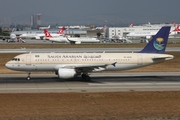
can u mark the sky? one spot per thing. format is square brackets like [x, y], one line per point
[80, 12]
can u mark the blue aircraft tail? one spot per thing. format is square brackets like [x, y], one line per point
[159, 42]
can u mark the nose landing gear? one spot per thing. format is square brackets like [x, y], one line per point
[28, 77]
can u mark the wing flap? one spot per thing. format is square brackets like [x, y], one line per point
[85, 67]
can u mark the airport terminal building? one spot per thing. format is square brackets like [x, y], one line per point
[123, 31]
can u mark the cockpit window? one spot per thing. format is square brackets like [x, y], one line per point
[16, 59]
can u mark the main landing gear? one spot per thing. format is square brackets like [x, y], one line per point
[28, 77]
[85, 77]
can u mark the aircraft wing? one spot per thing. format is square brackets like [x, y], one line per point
[85, 67]
[71, 41]
[90, 68]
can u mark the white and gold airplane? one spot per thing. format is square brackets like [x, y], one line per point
[69, 65]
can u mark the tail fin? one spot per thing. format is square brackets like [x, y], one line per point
[61, 30]
[47, 34]
[177, 29]
[159, 41]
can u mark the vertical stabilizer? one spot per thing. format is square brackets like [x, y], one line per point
[61, 30]
[47, 34]
[159, 41]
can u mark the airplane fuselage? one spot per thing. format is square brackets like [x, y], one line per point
[105, 61]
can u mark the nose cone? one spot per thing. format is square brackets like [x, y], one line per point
[8, 65]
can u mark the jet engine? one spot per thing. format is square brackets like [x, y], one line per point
[148, 37]
[78, 42]
[65, 73]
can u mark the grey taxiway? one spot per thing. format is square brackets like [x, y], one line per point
[100, 82]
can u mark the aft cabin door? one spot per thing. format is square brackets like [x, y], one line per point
[28, 59]
[139, 60]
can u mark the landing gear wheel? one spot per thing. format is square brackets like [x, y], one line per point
[85, 77]
[28, 78]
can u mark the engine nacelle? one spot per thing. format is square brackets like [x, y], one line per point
[37, 38]
[65, 73]
[148, 37]
[78, 42]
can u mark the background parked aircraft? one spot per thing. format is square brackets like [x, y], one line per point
[42, 28]
[56, 38]
[40, 34]
[73, 40]
[79, 40]
[12, 37]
